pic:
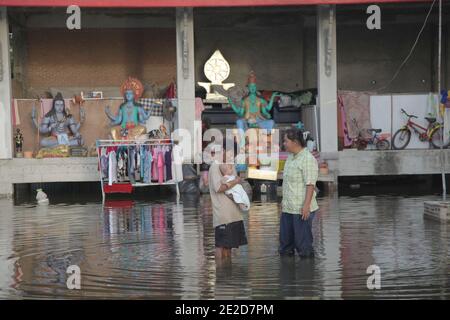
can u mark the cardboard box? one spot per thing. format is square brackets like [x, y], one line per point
[254, 173]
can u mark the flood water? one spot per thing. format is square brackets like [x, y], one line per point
[161, 249]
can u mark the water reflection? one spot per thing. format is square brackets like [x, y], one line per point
[165, 249]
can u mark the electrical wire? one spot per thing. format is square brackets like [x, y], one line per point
[410, 52]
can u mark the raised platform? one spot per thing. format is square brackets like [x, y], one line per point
[342, 163]
[46, 170]
[391, 162]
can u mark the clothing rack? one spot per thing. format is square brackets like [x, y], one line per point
[119, 143]
[134, 143]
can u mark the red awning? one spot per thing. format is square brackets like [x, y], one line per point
[185, 3]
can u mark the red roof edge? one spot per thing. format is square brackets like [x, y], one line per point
[186, 3]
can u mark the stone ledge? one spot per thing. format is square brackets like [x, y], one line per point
[49, 170]
[391, 162]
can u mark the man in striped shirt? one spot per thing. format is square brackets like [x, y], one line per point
[299, 204]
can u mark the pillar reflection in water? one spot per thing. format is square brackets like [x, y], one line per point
[188, 244]
[7, 279]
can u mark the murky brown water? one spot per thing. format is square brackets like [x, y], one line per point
[162, 249]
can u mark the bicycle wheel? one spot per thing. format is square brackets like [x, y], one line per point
[361, 144]
[401, 139]
[383, 145]
[436, 138]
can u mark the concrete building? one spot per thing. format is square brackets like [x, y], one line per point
[292, 44]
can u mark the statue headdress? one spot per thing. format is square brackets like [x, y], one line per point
[251, 77]
[132, 84]
[58, 97]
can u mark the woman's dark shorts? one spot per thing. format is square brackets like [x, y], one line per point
[204, 167]
[231, 235]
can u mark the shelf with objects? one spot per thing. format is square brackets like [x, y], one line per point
[225, 104]
[132, 157]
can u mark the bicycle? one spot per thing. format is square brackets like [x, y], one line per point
[432, 133]
[380, 142]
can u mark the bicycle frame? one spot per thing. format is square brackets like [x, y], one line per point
[413, 126]
[374, 138]
[428, 131]
[424, 134]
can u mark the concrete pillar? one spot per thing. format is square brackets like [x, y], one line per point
[327, 79]
[6, 186]
[5, 89]
[186, 77]
[7, 268]
[332, 254]
[6, 190]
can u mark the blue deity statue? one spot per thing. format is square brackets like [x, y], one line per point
[129, 121]
[254, 109]
[60, 125]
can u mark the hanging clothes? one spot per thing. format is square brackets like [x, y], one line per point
[155, 164]
[356, 106]
[122, 163]
[177, 169]
[343, 127]
[168, 163]
[137, 173]
[144, 163]
[131, 162]
[142, 151]
[104, 159]
[171, 91]
[147, 164]
[160, 165]
[104, 166]
[112, 168]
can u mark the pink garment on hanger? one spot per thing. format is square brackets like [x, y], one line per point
[150, 164]
[160, 166]
[356, 106]
[155, 164]
[199, 107]
[347, 140]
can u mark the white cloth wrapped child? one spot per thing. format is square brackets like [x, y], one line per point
[237, 193]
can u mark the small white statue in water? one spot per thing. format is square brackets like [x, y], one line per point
[41, 197]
